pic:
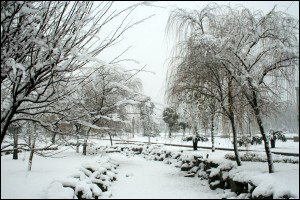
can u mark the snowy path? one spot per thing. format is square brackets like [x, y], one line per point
[153, 179]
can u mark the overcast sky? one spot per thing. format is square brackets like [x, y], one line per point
[151, 47]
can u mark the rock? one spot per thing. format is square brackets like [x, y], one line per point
[198, 157]
[216, 184]
[263, 197]
[190, 174]
[178, 164]
[185, 167]
[202, 175]
[194, 170]
[238, 187]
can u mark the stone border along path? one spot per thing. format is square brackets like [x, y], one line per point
[139, 178]
[202, 147]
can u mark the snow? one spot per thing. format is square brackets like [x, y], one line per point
[155, 180]
[92, 125]
[289, 146]
[138, 177]
[57, 191]
[285, 180]
[122, 86]
[15, 177]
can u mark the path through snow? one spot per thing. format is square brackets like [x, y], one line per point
[139, 178]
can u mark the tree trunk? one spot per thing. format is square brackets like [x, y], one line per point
[16, 135]
[53, 138]
[170, 131]
[149, 139]
[31, 155]
[78, 127]
[195, 144]
[111, 142]
[272, 143]
[29, 138]
[236, 151]
[267, 147]
[32, 150]
[133, 127]
[77, 144]
[84, 147]
[232, 121]
[85, 142]
[212, 132]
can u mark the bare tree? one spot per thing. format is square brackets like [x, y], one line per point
[43, 45]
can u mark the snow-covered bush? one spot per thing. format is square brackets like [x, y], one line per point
[260, 157]
[195, 139]
[90, 181]
[244, 141]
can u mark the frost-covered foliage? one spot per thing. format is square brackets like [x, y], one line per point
[277, 135]
[244, 141]
[200, 138]
[103, 98]
[234, 56]
[170, 117]
[147, 118]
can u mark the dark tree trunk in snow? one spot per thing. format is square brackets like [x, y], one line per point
[77, 126]
[53, 138]
[84, 147]
[267, 146]
[85, 142]
[236, 151]
[77, 144]
[195, 144]
[111, 142]
[15, 153]
[7, 121]
[170, 131]
[272, 143]
[232, 121]
[212, 132]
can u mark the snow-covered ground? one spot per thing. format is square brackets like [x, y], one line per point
[146, 179]
[143, 179]
[137, 178]
[18, 183]
[289, 146]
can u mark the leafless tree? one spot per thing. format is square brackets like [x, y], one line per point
[43, 46]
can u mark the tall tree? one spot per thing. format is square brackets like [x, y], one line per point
[170, 117]
[44, 44]
[251, 47]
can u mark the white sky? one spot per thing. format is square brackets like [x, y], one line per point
[151, 47]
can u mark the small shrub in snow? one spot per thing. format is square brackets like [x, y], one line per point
[244, 141]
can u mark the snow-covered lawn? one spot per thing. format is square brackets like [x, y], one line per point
[289, 146]
[18, 183]
[143, 179]
[137, 177]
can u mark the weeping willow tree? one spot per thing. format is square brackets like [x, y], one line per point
[230, 55]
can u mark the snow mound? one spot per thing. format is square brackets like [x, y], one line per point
[89, 182]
